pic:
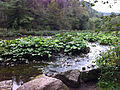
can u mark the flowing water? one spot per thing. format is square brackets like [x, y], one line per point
[84, 62]
[22, 73]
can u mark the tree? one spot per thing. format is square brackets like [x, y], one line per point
[53, 16]
[18, 15]
[92, 2]
[3, 15]
[77, 17]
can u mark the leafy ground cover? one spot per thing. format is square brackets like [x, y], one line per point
[39, 47]
[102, 38]
[20, 33]
[36, 48]
[109, 64]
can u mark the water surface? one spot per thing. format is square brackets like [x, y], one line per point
[22, 73]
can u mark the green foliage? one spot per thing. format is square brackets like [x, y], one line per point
[108, 40]
[69, 43]
[111, 58]
[24, 32]
[97, 22]
[50, 18]
[76, 18]
[18, 16]
[27, 47]
[110, 23]
[102, 38]
[91, 37]
[38, 47]
[54, 16]
[109, 64]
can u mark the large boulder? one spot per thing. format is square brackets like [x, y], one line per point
[91, 75]
[70, 78]
[86, 86]
[75, 78]
[44, 83]
[6, 85]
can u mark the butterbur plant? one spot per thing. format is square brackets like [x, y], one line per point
[42, 48]
[39, 48]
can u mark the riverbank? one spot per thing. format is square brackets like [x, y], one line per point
[22, 73]
[62, 62]
[13, 34]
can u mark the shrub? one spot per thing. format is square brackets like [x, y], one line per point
[109, 64]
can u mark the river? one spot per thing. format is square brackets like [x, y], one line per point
[22, 73]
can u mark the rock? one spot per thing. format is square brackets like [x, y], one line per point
[91, 75]
[63, 65]
[70, 78]
[88, 66]
[68, 64]
[94, 45]
[44, 83]
[86, 86]
[76, 79]
[83, 68]
[6, 85]
[75, 60]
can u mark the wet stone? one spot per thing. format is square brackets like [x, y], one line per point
[44, 83]
[91, 75]
[83, 68]
[70, 78]
[88, 66]
[93, 66]
[6, 85]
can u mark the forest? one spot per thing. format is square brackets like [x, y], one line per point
[55, 38]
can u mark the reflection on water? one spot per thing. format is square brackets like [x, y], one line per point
[17, 82]
[22, 73]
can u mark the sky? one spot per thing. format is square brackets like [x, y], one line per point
[105, 7]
